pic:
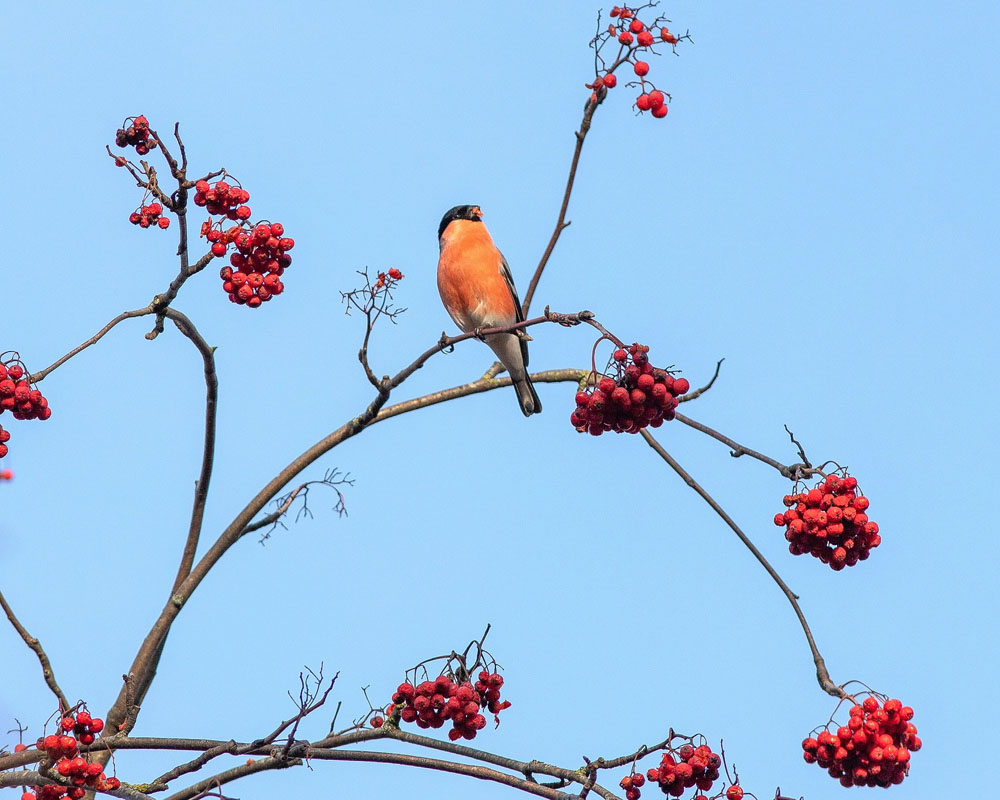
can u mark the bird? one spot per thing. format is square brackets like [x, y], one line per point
[478, 292]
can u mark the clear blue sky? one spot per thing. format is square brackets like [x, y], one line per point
[819, 208]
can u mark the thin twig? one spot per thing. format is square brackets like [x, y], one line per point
[793, 472]
[139, 312]
[822, 674]
[699, 392]
[163, 781]
[39, 651]
[230, 775]
[561, 223]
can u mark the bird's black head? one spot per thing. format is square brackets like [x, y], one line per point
[470, 213]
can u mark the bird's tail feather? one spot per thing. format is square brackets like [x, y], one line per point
[527, 397]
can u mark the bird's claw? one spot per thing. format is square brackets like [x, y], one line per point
[444, 345]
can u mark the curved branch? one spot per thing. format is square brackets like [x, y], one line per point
[185, 326]
[484, 384]
[822, 675]
[472, 770]
[122, 715]
[36, 647]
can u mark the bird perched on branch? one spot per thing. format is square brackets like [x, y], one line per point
[478, 292]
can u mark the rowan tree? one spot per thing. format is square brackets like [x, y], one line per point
[238, 252]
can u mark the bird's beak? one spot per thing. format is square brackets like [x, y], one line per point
[477, 211]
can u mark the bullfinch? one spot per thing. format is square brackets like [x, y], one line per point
[478, 292]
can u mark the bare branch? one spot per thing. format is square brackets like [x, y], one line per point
[822, 675]
[31, 778]
[561, 223]
[793, 472]
[36, 647]
[139, 312]
[185, 326]
[699, 392]
[144, 665]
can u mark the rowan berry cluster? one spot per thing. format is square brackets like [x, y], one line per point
[636, 395]
[432, 703]
[18, 396]
[147, 216]
[135, 133]
[681, 769]
[222, 198]
[634, 38]
[872, 749]
[254, 274]
[830, 523]
[63, 751]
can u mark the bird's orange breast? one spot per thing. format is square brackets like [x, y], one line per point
[470, 278]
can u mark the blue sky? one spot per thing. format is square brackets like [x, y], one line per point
[819, 208]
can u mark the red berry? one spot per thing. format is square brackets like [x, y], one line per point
[642, 102]
[734, 793]
[636, 26]
[610, 80]
[641, 68]
[644, 39]
[625, 38]
[659, 112]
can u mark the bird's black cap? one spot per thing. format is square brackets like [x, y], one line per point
[470, 213]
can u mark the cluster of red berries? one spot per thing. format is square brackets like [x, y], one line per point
[386, 278]
[638, 395]
[147, 216]
[18, 397]
[223, 199]
[872, 749]
[432, 703]
[63, 751]
[684, 768]
[135, 133]
[830, 523]
[257, 265]
[633, 35]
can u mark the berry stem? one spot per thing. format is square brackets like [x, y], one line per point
[822, 674]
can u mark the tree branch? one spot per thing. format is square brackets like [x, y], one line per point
[139, 312]
[31, 778]
[36, 647]
[561, 223]
[186, 327]
[822, 675]
[794, 472]
[123, 713]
